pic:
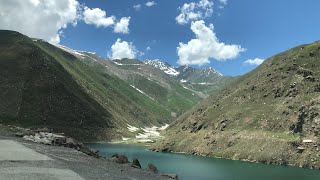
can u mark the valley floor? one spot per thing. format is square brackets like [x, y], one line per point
[20, 159]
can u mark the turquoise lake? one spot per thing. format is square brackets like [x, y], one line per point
[190, 167]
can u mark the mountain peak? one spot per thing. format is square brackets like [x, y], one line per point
[211, 70]
[165, 67]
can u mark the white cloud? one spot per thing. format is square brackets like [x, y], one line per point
[224, 2]
[205, 46]
[35, 2]
[39, 19]
[148, 48]
[254, 62]
[46, 19]
[194, 11]
[123, 49]
[97, 17]
[151, 3]
[137, 7]
[122, 26]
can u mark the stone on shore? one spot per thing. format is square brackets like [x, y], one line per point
[152, 168]
[136, 164]
[120, 159]
[171, 176]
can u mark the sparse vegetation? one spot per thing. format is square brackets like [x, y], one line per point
[263, 116]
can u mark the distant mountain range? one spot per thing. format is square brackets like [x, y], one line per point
[89, 97]
[201, 81]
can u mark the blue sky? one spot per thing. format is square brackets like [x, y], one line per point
[263, 28]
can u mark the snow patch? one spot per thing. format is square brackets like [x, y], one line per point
[204, 83]
[93, 53]
[120, 64]
[183, 81]
[163, 127]
[125, 139]
[92, 58]
[149, 134]
[70, 50]
[132, 128]
[210, 70]
[185, 87]
[141, 92]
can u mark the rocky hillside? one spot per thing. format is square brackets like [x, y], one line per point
[194, 75]
[204, 80]
[269, 115]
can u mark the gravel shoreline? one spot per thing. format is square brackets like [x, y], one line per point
[85, 166]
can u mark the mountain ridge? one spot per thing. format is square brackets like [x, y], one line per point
[53, 82]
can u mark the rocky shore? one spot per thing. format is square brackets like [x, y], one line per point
[251, 146]
[73, 155]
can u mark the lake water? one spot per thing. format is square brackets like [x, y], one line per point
[190, 167]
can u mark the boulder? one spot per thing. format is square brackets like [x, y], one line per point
[59, 140]
[88, 151]
[45, 129]
[152, 168]
[19, 134]
[171, 176]
[115, 155]
[28, 138]
[37, 138]
[120, 159]
[46, 141]
[223, 126]
[136, 164]
[71, 143]
[300, 149]
[42, 134]
[49, 135]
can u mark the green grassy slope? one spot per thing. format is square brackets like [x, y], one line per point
[264, 116]
[130, 106]
[36, 91]
[163, 89]
[44, 86]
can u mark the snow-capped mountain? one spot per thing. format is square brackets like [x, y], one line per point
[198, 80]
[197, 75]
[187, 74]
[165, 67]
